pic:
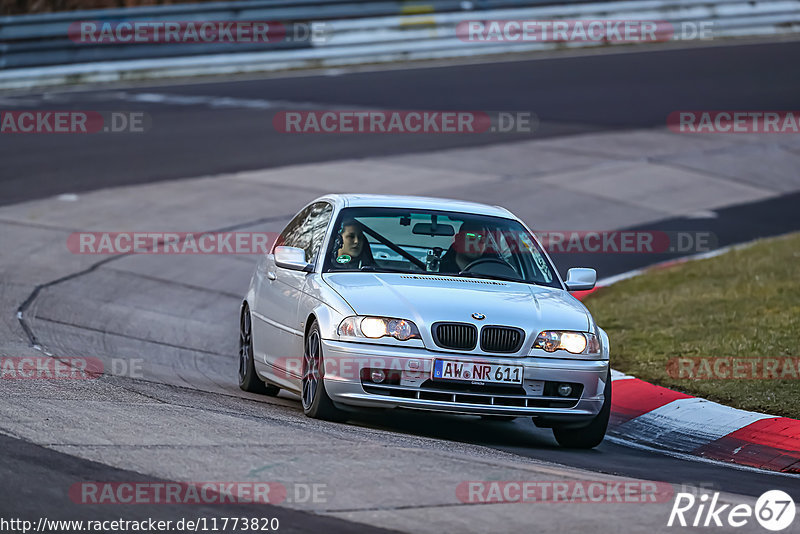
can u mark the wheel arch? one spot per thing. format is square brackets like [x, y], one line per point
[327, 318]
[310, 320]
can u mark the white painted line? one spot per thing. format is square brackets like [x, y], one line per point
[215, 102]
[210, 101]
[703, 214]
[17, 102]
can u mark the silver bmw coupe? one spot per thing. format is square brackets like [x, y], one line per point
[377, 301]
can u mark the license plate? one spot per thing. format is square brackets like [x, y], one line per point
[477, 372]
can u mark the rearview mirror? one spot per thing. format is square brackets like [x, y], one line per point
[431, 229]
[293, 258]
[581, 279]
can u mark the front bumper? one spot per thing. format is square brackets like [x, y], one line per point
[344, 362]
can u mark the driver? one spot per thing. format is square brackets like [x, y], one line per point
[351, 250]
[468, 245]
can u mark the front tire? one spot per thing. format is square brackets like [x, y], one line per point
[591, 435]
[248, 379]
[316, 402]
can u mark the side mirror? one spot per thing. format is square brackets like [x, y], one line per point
[292, 258]
[581, 279]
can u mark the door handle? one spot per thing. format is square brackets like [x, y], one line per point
[271, 275]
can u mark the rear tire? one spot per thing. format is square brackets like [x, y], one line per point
[591, 435]
[316, 402]
[248, 378]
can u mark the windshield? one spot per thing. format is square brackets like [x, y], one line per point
[436, 242]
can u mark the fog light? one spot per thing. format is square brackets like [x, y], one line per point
[378, 376]
[564, 390]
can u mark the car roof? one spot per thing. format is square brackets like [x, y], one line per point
[357, 200]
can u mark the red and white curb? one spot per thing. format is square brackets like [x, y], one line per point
[660, 418]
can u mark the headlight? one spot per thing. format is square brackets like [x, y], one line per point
[378, 327]
[573, 342]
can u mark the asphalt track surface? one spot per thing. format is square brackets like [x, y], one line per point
[729, 226]
[41, 477]
[570, 95]
[638, 89]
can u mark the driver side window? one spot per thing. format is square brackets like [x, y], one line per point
[307, 230]
[314, 229]
[292, 234]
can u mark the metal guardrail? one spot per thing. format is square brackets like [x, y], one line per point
[726, 18]
[42, 39]
[354, 32]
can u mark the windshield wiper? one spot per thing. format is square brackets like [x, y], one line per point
[374, 269]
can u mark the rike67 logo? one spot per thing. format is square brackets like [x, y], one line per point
[774, 510]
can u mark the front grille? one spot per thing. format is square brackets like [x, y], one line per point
[458, 336]
[501, 339]
[466, 387]
[478, 399]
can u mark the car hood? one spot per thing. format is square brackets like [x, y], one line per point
[426, 299]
